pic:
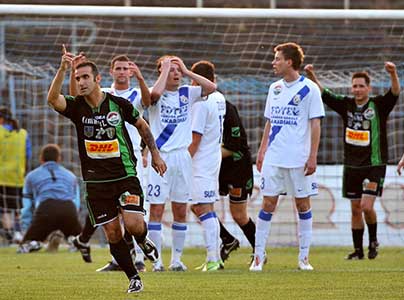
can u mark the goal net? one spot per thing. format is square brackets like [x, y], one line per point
[241, 46]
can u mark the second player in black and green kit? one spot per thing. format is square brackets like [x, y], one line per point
[365, 149]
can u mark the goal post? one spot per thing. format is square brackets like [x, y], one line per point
[240, 43]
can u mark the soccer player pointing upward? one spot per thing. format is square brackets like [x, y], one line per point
[107, 160]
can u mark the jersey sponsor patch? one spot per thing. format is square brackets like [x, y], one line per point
[357, 137]
[235, 192]
[102, 149]
[129, 199]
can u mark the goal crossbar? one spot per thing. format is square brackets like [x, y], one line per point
[192, 12]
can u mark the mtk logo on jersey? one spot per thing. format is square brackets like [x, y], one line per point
[369, 113]
[113, 118]
[277, 89]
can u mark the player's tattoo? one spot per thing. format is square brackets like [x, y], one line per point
[148, 138]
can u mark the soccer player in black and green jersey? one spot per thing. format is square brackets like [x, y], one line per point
[107, 160]
[365, 149]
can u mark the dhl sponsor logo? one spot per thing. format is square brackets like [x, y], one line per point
[357, 137]
[102, 149]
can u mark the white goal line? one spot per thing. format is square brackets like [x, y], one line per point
[192, 12]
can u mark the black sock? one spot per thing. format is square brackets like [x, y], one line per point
[249, 232]
[129, 240]
[120, 251]
[372, 229]
[88, 231]
[357, 236]
[225, 236]
[140, 239]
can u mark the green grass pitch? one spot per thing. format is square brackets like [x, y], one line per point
[64, 275]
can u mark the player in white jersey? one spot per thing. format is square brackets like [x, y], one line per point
[170, 123]
[287, 157]
[205, 149]
[121, 71]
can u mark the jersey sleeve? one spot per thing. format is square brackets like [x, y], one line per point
[316, 109]
[195, 94]
[386, 102]
[69, 111]
[232, 129]
[129, 113]
[267, 112]
[336, 102]
[199, 117]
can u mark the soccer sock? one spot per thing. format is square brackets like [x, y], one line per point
[305, 233]
[263, 227]
[225, 236]
[128, 239]
[179, 231]
[136, 249]
[155, 236]
[120, 251]
[357, 237]
[87, 232]
[372, 229]
[211, 230]
[249, 232]
[139, 254]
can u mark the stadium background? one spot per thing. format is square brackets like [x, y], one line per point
[241, 48]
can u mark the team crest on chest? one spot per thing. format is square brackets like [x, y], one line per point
[277, 90]
[369, 113]
[296, 99]
[88, 131]
[110, 132]
[113, 118]
[184, 99]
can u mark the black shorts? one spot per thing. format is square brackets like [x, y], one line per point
[53, 215]
[10, 198]
[356, 181]
[105, 198]
[237, 192]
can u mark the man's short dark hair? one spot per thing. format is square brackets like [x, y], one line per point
[292, 51]
[119, 58]
[363, 75]
[94, 68]
[160, 60]
[50, 152]
[204, 68]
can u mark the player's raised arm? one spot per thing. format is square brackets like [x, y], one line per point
[144, 89]
[55, 98]
[157, 163]
[208, 86]
[395, 82]
[312, 76]
[161, 82]
[78, 59]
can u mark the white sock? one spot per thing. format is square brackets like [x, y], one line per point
[262, 229]
[179, 231]
[139, 253]
[211, 230]
[305, 233]
[154, 233]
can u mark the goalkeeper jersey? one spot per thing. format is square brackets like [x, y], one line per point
[365, 137]
[105, 149]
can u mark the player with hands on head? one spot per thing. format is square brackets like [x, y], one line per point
[170, 123]
[365, 149]
[107, 160]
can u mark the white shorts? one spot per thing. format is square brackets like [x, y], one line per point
[276, 181]
[204, 190]
[176, 183]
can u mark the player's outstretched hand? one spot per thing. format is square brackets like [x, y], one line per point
[390, 67]
[67, 58]
[135, 71]
[158, 163]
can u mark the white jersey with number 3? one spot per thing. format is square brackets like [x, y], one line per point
[289, 108]
[170, 118]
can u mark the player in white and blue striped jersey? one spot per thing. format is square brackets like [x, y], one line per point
[170, 123]
[287, 155]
